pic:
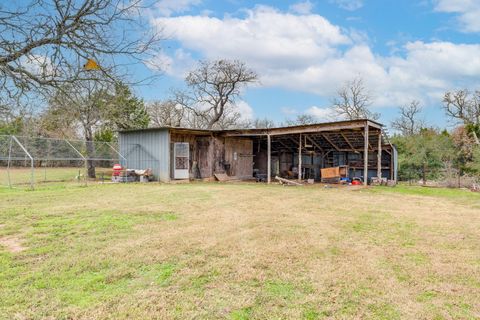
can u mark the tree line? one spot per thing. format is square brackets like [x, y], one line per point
[46, 89]
[428, 153]
[95, 110]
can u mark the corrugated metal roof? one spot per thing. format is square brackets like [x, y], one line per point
[253, 131]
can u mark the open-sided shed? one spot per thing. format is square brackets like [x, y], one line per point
[298, 152]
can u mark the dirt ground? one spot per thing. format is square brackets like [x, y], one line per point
[239, 251]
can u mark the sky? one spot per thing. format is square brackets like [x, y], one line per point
[304, 51]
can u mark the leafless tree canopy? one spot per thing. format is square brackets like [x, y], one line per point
[214, 88]
[353, 102]
[301, 119]
[44, 44]
[264, 123]
[408, 122]
[167, 113]
[463, 107]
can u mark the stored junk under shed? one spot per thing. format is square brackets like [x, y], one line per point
[329, 152]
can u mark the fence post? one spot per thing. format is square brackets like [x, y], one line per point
[81, 155]
[8, 163]
[117, 152]
[32, 176]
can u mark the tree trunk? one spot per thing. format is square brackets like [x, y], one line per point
[90, 153]
[424, 174]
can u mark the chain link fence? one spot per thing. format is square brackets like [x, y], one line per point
[30, 161]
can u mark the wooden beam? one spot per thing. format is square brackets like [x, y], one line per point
[375, 125]
[314, 143]
[365, 155]
[288, 182]
[355, 124]
[347, 141]
[330, 141]
[283, 144]
[379, 155]
[293, 140]
[300, 158]
[326, 154]
[369, 145]
[269, 159]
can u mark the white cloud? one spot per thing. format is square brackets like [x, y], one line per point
[468, 12]
[169, 7]
[350, 5]
[39, 65]
[321, 114]
[176, 65]
[245, 110]
[304, 7]
[308, 53]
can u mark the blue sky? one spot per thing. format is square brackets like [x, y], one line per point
[304, 51]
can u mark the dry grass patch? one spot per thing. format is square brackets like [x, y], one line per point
[242, 251]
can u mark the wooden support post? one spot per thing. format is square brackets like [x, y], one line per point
[300, 158]
[379, 155]
[365, 155]
[269, 159]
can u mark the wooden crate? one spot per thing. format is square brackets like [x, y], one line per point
[333, 174]
[329, 173]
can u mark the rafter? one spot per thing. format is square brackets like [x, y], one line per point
[283, 144]
[314, 143]
[330, 141]
[347, 141]
[293, 140]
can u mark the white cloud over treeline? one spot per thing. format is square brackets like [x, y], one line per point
[306, 52]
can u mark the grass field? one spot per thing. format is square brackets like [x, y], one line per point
[238, 251]
[20, 177]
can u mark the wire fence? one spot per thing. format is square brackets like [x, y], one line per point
[29, 161]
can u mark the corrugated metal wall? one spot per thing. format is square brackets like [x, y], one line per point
[147, 149]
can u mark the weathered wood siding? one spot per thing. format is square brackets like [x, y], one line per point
[239, 154]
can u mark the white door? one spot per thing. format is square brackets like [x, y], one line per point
[181, 156]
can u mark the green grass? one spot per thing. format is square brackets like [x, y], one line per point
[448, 193]
[238, 251]
[21, 177]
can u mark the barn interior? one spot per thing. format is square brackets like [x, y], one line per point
[298, 152]
[308, 153]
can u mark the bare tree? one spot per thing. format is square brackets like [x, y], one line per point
[264, 123]
[301, 119]
[92, 107]
[463, 107]
[408, 122]
[167, 113]
[353, 101]
[82, 106]
[44, 44]
[213, 89]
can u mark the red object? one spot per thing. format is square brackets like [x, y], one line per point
[356, 183]
[117, 169]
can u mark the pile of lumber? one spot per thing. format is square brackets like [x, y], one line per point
[223, 177]
[287, 182]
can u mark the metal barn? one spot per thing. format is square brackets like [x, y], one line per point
[298, 152]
